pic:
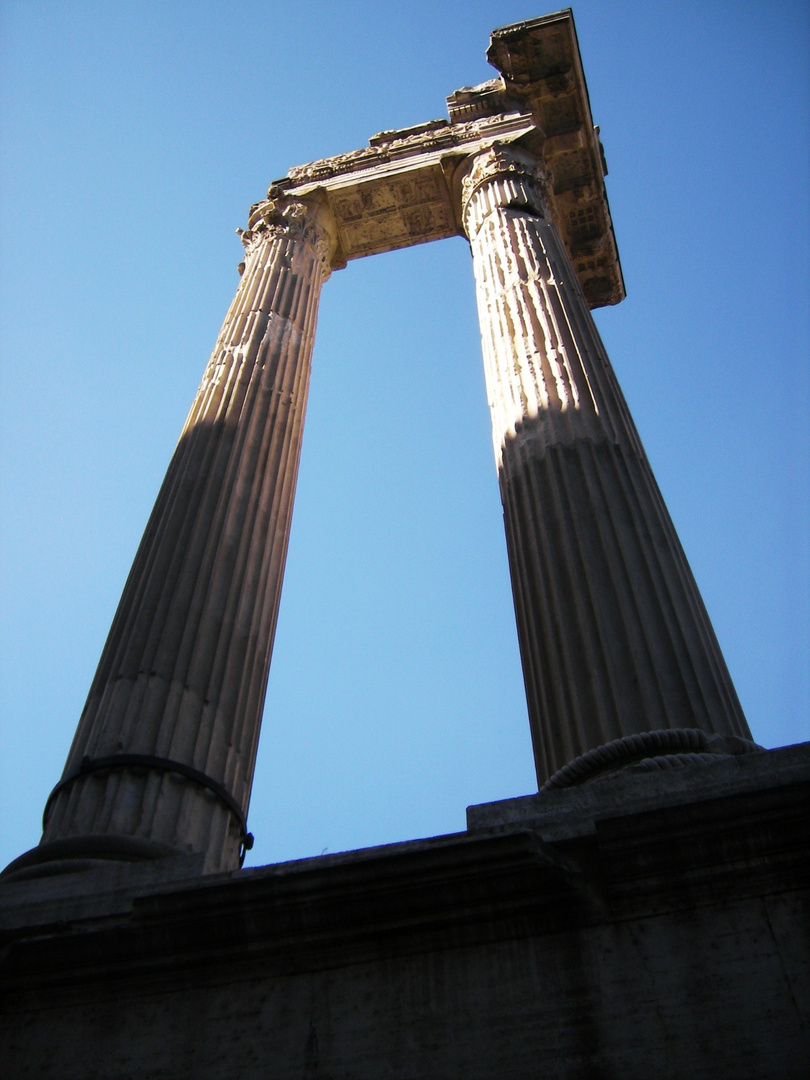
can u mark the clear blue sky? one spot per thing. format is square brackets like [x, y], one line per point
[135, 135]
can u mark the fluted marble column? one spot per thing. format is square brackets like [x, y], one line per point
[614, 637]
[164, 753]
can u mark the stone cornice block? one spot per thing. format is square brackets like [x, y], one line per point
[541, 67]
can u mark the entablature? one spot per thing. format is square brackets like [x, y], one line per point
[399, 190]
[404, 187]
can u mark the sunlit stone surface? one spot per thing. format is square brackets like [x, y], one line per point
[613, 634]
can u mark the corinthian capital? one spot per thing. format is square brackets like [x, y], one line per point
[308, 223]
[503, 176]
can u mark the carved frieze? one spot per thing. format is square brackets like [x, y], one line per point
[399, 190]
[394, 211]
[393, 146]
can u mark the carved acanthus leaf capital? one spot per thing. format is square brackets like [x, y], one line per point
[290, 219]
[504, 176]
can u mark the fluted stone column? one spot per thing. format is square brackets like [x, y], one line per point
[614, 637]
[164, 753]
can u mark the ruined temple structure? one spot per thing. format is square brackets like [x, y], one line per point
[643, 915]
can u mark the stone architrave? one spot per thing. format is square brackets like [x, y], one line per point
[614, 637]
[164, 752]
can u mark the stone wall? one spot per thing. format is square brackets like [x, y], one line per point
[648, 925]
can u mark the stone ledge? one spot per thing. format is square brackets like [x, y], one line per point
[574, 858]
[568, 812]
[677, 932]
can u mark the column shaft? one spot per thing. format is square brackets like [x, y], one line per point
[183, 674]
[613, 634]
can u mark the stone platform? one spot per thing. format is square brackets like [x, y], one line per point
[648, 924]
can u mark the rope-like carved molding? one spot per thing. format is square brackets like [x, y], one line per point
[666, 748]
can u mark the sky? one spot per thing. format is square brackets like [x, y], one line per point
[133, 138]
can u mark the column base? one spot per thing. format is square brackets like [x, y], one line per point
[76, 854]
[668, 748]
